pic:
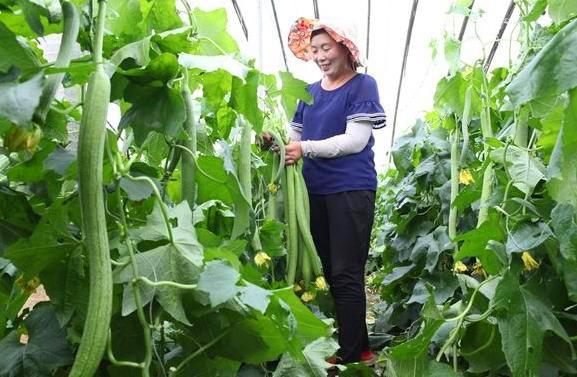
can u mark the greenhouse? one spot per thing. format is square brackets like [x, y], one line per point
[288, 188]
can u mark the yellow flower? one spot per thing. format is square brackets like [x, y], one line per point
[460, 267]
[272, 188]
[321, 283]
[261, 259]
[465, 177]
[297, 288]
[28, 286]
[528, 261]
[478, 270]
[308, 297]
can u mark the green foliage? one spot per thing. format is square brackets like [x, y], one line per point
[18, 100]
[550, 72]
[492, 300]
[45, 349]
[187, 292]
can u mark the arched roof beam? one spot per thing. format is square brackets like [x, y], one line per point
[404, 65]
[240, 18]
[279, 35]
[368, 31]
[502, 28]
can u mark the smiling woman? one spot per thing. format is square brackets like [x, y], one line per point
[334, 136]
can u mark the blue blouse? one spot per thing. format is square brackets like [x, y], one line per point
[356, 100]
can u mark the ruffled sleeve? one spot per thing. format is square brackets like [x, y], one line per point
[364, 104]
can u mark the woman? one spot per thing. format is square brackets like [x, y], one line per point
[334, 136]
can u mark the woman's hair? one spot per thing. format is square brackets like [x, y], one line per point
[353, 63]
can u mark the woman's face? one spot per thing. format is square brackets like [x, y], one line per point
[331, 57]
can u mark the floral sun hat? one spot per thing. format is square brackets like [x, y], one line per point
[299, 38]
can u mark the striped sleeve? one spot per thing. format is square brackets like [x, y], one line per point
[364, 104]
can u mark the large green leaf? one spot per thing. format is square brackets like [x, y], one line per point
[66, 283]
[218, 282]
[536, 11]
[293, 90]
[435, 369]
[562, 10]
[213, 63]
[397, 273]
[452, 49]
[525, 170]
[45, 350]
[215, 86]
[552, 70]
[139, 51]
[308, 326]
[430, 246]
[244, 99]
[123, 20]
[14, 53]
[254, 296]
[565, 229]
[561, 171]
[179, 261]
[17, 219]
[450, 94]
[527, 236]
[131, 20]
[163, 15]
[19, 100]
[272, 237]
[154, 109]
[523, 320]
[551, 123]
[32, 170]
[477, 244]
[481, 347]
[418, 345]
[50, 242]
[406, 150]
[159, 70]
[164, 263]
[253, 341]
[215, 183]
[314, 364]
[211, 28]
[205, 366]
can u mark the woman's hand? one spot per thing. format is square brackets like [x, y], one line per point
[265, 141]
[293, 152]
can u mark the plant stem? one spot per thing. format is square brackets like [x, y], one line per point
[136, 290]
[196, 353]
[160, 203]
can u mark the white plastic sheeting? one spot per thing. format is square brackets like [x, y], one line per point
[388, 27]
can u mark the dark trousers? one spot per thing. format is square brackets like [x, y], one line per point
[341, 228]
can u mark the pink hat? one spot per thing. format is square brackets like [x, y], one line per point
[299, 38]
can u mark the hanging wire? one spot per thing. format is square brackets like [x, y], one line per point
[240, 18]
[316, 9]
[279, 35]
[368, 32]
[499, 35]
[465, 22]
[403, 67]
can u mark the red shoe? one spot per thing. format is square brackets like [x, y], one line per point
[368, 358]
[334, 360]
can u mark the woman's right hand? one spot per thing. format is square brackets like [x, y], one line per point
[293, 152]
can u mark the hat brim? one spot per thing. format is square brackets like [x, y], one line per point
[299, 39]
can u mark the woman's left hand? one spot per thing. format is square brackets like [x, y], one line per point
[293, 152]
